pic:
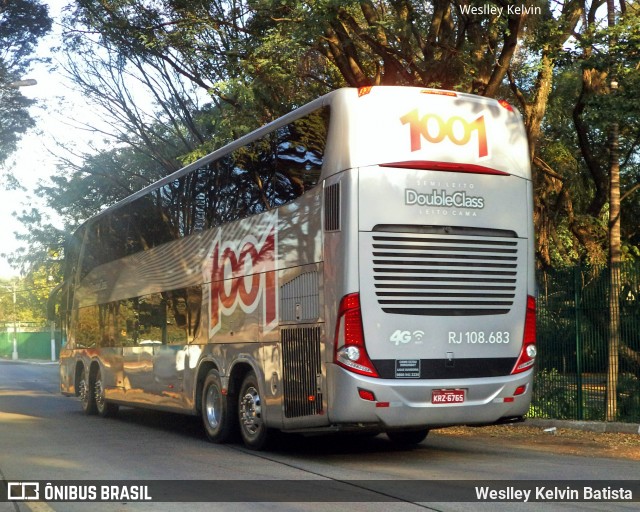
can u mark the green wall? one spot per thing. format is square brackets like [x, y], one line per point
[31, 345]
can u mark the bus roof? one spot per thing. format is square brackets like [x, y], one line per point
[376, 126]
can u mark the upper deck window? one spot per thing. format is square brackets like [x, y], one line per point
[266, 173]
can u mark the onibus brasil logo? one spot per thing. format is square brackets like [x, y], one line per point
[243, 274]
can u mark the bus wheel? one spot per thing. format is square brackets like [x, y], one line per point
[408, 437]
[250, 414]
[217, 417]
[104, 408]
[86, 393]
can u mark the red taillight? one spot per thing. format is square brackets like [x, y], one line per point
[367, 395]
[528, 353]
[439, 92]
[520, 390]
[429, 165]
[505, 104]
[349, 348]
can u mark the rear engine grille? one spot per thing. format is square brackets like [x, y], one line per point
[332, 207]
[302, 369]
[422, 274]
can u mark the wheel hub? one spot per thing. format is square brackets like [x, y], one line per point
[213, 405]
[251, 411]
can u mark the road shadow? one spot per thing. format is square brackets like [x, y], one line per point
[191, 426]
[286, 444]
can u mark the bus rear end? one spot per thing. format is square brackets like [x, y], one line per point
[435, 322]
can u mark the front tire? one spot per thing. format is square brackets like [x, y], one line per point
[253, 430]
[217, 410]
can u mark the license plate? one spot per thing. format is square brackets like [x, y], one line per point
[447, 396]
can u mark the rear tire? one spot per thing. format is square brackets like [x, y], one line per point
[253, 430]
[103, 408]
[86, 392]
[408, 437]
[217, 409]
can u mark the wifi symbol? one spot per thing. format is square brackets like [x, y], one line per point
[418, 335]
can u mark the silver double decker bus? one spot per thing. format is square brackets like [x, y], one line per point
[364, 263]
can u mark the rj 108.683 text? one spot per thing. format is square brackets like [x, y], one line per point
[479, 337]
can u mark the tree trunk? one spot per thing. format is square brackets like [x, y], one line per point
[614, 248]
[614, 276]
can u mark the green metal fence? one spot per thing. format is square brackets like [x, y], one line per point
[29, 345]
[573, 336]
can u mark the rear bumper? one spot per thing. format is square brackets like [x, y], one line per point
[407, 403]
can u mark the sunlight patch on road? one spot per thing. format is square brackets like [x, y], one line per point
[10, 417]
[23, 392]
[38, 506]
[51, 462]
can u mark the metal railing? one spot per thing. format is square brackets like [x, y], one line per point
[573, 330]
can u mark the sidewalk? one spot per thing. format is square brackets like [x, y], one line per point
[586, 426]
[27, 361]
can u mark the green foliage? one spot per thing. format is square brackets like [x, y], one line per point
[22, 23]
[628, 397]
[15, 119]
[553, 398]
[572, 189]
[31, 294]
[216, 69]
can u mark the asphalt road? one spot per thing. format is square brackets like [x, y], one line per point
[46, 437]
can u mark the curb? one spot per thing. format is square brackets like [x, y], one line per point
[27, 361]
[587, 426]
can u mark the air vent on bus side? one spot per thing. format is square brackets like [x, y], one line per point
[436, 274]
[301, 370]
[332, 207]
[300, 298]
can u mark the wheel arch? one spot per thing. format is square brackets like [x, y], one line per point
[94, 366]
[239, 371]
[91, 366]
[203, 369]
[233, 379]
[77, 375]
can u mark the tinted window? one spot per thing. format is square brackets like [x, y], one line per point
[267, 173]
[157, 319]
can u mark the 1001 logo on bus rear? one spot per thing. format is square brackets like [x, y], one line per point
[434, 129]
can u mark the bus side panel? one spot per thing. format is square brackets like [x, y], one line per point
[295, 390]
[67, 372]
[263, 282]
[341, 272]
[112, 372]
